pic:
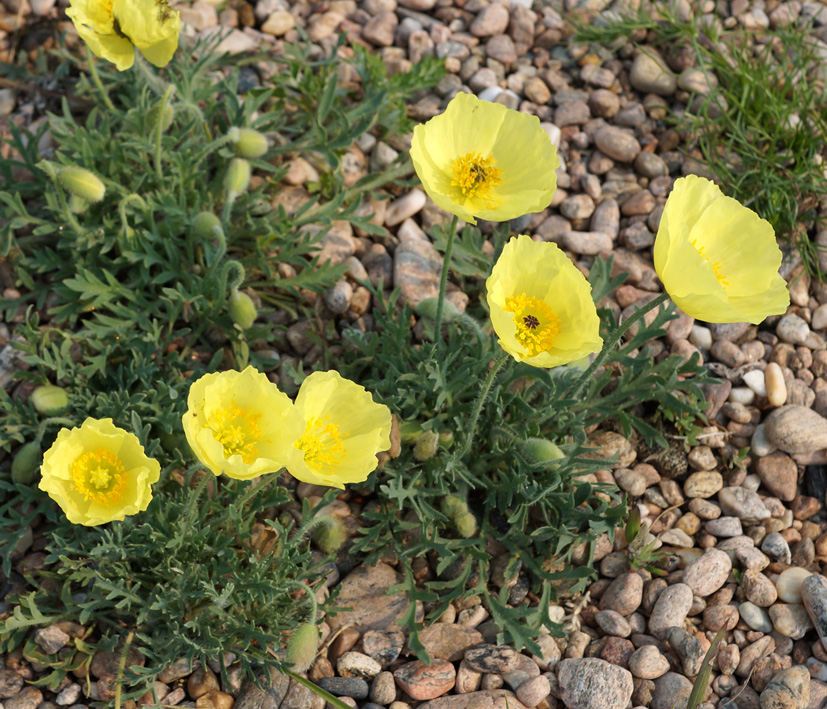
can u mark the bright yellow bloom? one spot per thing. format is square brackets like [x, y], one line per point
[240, 424]
[541, 305]
[113, 29]
[480, 159]
[98, 473]
[718, 260]
[344, 429]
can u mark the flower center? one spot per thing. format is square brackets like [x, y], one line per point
[716, 265]
[475, 175]
[321, 443]
[99, 476]
[537, 325]
[237, 430]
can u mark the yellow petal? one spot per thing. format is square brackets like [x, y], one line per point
[152, 26]
[718, 260]
[344, 429]
[493, 135]
[559, 311]
[94, 22]
[240, 424]
[98, 473]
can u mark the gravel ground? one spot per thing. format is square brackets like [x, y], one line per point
[747, 547]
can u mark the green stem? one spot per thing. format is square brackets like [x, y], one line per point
[47, 422]
[159, 130]
[443, 281]
[314, 604]
[478, 404]
[155, 82]
[610, 344]
[96, 78]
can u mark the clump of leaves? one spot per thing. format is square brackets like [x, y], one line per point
[532, 509]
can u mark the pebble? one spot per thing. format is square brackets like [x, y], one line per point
[404, 207]
[779, 474]
[364, 590]
[775, 385]
[51, 639]
[761, 445]
[755, 617]
[814, 599]
[790, 619]
[742, 503]
[492, 20]
[612, 623]
[791, 328]
[724, 527]
[449, 641]
[776, 547]
[750, 654]
[498, 699]
[624, 594]
[579, 206]
[354, 687]
[28, 698]
[759, 589]
[422, 682]
[651, 75]
[788, 689]
[796, 429]
[647, 662]
[533, 691]
[754, 379]
[592, 683]
[671, 690]
[357, 664]
[671, 609]
[617, 143]
[703, 484]
[789, 583]
[383, 688]
[586, 243]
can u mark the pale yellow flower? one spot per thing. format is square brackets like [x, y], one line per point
[98, 473]
[113, 29]
[480, 159]
[541, 305]
[344, 429]
[718, 260]
[240, 424]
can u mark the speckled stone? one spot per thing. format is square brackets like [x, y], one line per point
[423, 682]
[788, 689]
[796, 429]
[591, 683]
[670, 609]
[623, 595]
[814, 599]
[708, 573]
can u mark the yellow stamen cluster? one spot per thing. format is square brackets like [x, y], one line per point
[475, 175]
[716, 265]
[99, 476]
[238, 431]
[537, 325]
[321, 443]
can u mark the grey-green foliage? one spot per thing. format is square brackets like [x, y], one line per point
[537, 512]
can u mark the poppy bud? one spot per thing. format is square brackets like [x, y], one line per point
[427, 309]
[330, 535]
[540, 451]
[466, 525]
[26, 462]
[237, 179]
[205, 223]
[49, 400]
[453, 507]
[155, 114]
[302, 647]
[250, 143]
[426, 445]
[82, 183]
[242, 309]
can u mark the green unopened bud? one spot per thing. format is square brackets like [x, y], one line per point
[242, 309]
[26, 462]
[466, 525]
[426, 445]
[302, 647]
[409, 431]
[77, 205]
[330, 535]
[204, 224]
[250, 143]
[427, 309]
[540, 451]
[166, 116]
[82, 183]
[49, 400]
[446, 439]
[453, 507]
[238, 177]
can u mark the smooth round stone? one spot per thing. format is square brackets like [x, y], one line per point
[647, 662]
[724, 527]
[796, 429]
[617, 143]
[755, 617]
[774, 384]
[819, 319]
[356, 664]
[650, 74]
[624, 594]
[670, 609]
[792, 328]
[754, 379]
[701, 337]
[744, 504]
[404, 207]
[759, 589]
[788, 689]
[776, 547]
[593, 683]
[814, 599]
[533, 691]
[742, 395]
[677, 537]
[703, 484]
[790, 619]
[789, 582]
[671, 690]
[759, 442]
[612, 623]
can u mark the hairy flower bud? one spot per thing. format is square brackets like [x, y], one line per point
[466, 525]
[453, 507]
[26, 462]
[205, 223]
[49, 400]
[78, 205]
[302, 647]
[540, 451]
[426, 445]
[155, 114]
[82, 183]
[330, 535]
[427, 309]
[242, 309]
[250, 143]
[237, 179]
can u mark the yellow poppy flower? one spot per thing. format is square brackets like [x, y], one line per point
[240, 424]
[344, 429]
[98, 473]
[113, 29]
[718, 260]
[541, 305]
[480, 159]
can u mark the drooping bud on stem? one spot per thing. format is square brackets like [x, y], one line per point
[82, 183]
[330, 535]
[26, 461]
[242, 309]
[541, 452]
[250, 143]
[426, 445]
[49, 400]
[302, 647]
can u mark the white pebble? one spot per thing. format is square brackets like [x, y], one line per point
[751, 482]
[774, 384]
[754, 379]
[554, 133]
[701, 337]
[742, 395]
[789, 583]
[759, 443]
[819, 320]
